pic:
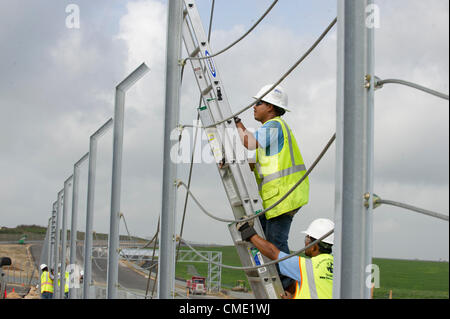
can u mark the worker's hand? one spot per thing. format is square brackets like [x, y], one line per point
[246, 229]
[286, 295]
[236, 120]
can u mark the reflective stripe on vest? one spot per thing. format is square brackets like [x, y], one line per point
[311, 281]
[315, 284]
[277, 174]
[46, 282]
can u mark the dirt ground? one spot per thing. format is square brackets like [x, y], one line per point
[22, 264]
[21, 260]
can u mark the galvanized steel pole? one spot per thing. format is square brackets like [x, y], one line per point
[57, 238]
[166, 258]
[62, 273]
[370, 82]
[87, 278]
[119, 110]
[74, 220]
[52, 236]
[353, 152]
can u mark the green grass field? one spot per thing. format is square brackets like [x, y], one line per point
[408, 279]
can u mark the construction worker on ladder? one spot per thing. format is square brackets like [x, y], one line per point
[278, 167]
[46, 283]
[313, 276]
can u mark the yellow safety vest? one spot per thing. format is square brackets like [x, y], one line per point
[46, 282]
[66, 282]
[278, 173]
[316, 278]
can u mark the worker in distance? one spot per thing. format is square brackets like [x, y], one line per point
[313, 276]
[278, 166]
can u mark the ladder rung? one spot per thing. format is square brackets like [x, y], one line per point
[195, 52]
[207, 90]
[254, 279]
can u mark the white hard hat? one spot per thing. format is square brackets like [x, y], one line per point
[42, 266]
[320, 227]
[81, 273]
[277, 96]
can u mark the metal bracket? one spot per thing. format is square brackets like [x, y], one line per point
[375, 200]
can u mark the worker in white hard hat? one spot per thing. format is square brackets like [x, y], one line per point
[46, 283]
[278, 166]
[314, 275]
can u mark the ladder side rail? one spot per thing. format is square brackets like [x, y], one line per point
[239, 183]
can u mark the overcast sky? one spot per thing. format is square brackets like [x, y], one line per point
[57, 88]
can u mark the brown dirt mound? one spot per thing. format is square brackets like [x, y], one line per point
[13, 295]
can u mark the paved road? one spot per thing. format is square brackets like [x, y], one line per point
[128, 278]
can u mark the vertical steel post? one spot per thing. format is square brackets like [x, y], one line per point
[62, 273]
[370, 144]
[52, 236]
[353, 152]
[119, 110]
[57, 238]
[74, 219]
[90, 208]
[45, 253]
[166, 258]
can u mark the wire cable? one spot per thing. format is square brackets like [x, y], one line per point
[380, 83]
[285, 75]
[410, 207]
[263, 265]
[238, 40]
[330, 142]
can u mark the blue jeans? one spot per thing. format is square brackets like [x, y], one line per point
[276, 231]
[47, 295]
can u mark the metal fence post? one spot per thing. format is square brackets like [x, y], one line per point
[166, 260]
[119, 110]
[74, 220]
[62, 274]
[90, 208]
[353, 152]
[57, 238]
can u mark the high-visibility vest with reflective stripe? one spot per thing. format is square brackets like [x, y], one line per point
[46, 282]
[278, 173]
[66, 282]
[316, 278]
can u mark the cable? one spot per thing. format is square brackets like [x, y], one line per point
[151, 265]
[413, 208]
[238, 40]
[380, 84]
[296, 64]
[263, 265]
[330, 142]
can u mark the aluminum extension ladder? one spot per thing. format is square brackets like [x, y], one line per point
[239, 182]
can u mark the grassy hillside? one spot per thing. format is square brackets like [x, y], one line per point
[412, 278]
[24, 229]
[406, 278]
